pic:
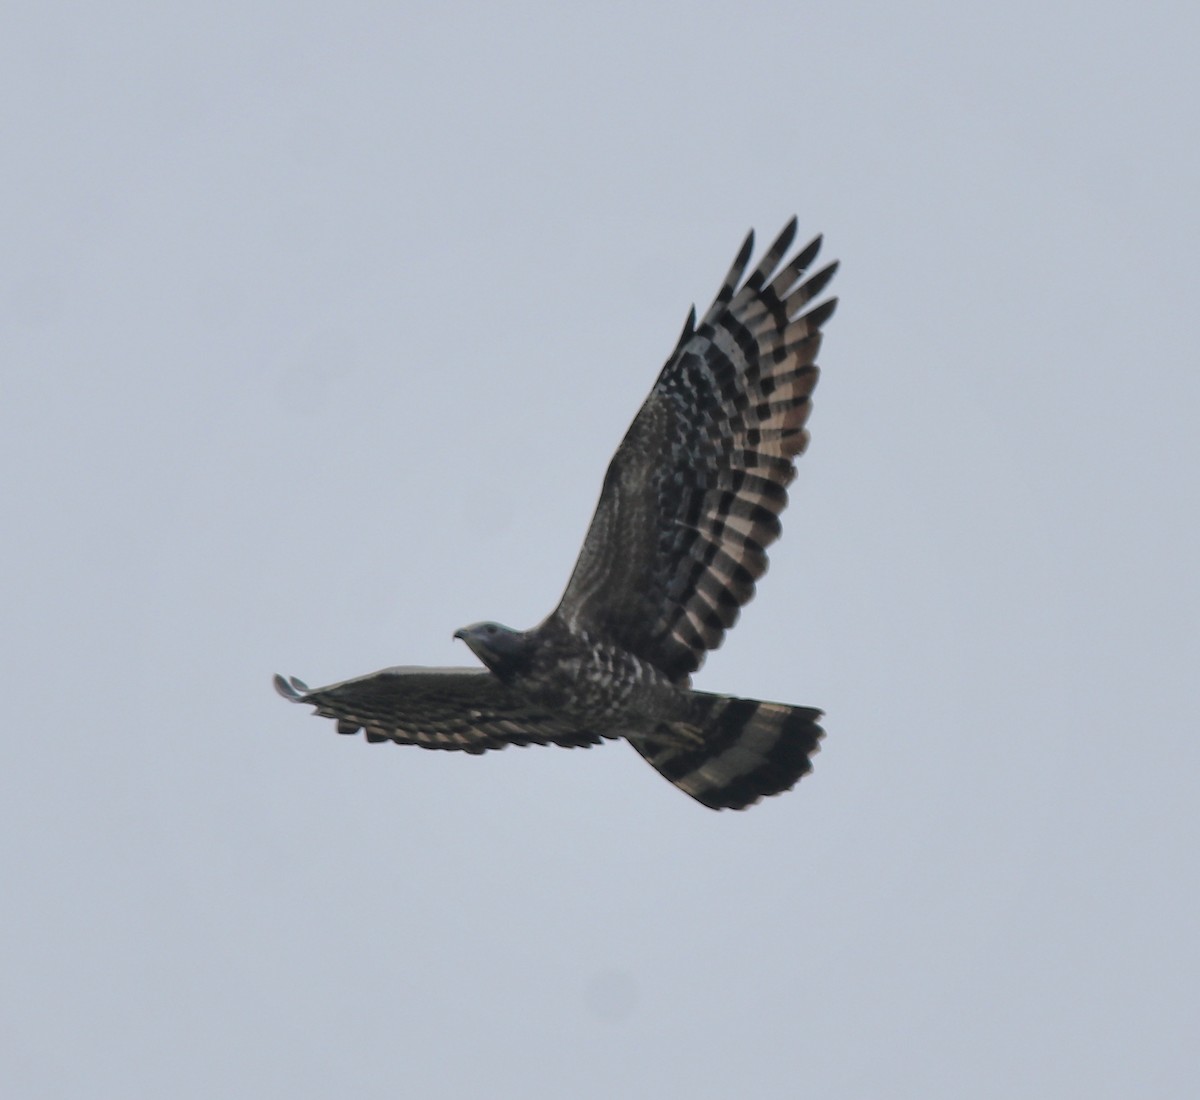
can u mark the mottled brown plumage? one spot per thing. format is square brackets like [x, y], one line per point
[690, 504]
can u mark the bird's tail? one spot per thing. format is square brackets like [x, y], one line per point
[736, 751]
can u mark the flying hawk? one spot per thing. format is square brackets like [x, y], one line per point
[690, 503]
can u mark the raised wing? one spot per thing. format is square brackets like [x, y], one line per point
[437, 708]
[692, 497]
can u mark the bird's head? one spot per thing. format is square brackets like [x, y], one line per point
[505, 651]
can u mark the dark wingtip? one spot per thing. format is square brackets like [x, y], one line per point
[689, 328]
[809, 252]
[743, 257]
[292, 690]
[817, 317]
[822, 277]
[786, 235]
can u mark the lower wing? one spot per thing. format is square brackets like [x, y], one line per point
[437, 708]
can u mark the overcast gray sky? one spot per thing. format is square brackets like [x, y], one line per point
[320, 325]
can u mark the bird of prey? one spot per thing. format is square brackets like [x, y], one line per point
[690, 503]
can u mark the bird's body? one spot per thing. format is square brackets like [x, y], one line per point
[569, 672]
[690, 503]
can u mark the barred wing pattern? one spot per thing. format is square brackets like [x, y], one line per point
[437, 708]
[692, 498]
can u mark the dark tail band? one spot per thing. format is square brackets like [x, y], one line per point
[750, 750]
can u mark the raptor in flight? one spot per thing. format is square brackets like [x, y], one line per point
[690, 503]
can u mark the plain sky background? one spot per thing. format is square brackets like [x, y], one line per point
[319, 326]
